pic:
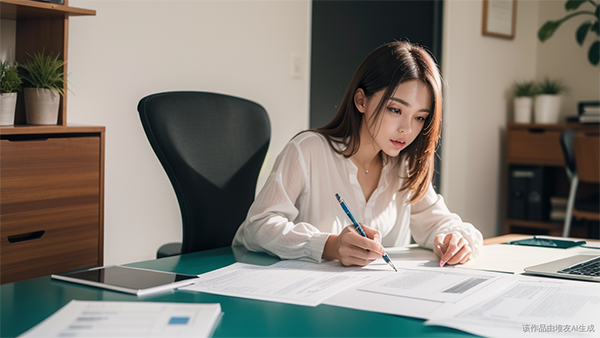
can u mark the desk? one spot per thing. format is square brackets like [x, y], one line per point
[26, 303]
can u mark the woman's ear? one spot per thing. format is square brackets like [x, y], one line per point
[360, 100]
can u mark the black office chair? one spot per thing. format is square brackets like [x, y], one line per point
[582, 160]
[212, 147]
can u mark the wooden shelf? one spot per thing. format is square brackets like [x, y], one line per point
[27, 10]
[31, 129]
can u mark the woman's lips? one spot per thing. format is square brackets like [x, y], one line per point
[398, 143]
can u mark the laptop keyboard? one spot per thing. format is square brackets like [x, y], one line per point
[587, 268]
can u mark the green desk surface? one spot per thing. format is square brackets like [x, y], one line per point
[27, 303]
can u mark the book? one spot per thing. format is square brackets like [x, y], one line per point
[589, 112]
[588, 118]
[558, 215]
[558, 202]
[592, 110]
[127, 279]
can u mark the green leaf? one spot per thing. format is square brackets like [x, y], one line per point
[582, 32]
[596, 28]
[548, 29]
[594, 53]
[573, 4]
[44, 71]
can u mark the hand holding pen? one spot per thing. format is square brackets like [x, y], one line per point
[360, 229]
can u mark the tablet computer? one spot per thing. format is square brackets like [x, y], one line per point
[136, 281]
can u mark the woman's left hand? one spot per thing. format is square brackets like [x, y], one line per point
[452, 248]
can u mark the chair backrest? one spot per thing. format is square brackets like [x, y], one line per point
[566, 142]
[212, 147]
[587, 156]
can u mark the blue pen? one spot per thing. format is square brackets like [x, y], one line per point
[360, 230]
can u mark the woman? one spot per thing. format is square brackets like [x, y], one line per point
[378, 154]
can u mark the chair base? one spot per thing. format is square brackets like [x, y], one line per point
[168, 250]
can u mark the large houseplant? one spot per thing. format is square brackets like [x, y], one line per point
[44, 81]
[592, 24]
[10, 83]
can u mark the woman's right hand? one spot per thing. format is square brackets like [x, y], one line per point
[350, 248]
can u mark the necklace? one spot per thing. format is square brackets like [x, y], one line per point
[366, 168]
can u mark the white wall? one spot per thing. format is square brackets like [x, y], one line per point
[561, 57]
[134, 48]
[478, 70]
[8, 31]
[131, 49]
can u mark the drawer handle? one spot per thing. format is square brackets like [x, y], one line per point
[27, 138]
[537, 130]
[26, 237]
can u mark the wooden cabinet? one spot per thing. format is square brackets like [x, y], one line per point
[538, 146]
[51, 177]
[52, 201]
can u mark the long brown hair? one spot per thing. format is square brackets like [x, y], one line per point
[385, 68]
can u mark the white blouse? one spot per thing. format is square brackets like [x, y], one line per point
[296, 210]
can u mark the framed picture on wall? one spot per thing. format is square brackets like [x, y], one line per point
[499, 18]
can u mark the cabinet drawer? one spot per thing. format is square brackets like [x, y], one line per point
[50, 205]
[44, 252]
[535, 147]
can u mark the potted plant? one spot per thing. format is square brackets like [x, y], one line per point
[523, 93]
[10, 83]
[548, 100]
[44, 84]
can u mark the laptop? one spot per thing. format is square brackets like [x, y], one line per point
[580, 267]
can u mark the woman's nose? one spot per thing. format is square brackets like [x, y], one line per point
[404, 127]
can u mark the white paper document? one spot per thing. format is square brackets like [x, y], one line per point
[403, 258]
[515, 258]
[288, 281]
[435, 284]
[528, 307]
[129, 319]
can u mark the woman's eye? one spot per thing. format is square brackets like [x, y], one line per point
[395, 110]
[420, 118]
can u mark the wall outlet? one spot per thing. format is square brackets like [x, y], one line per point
[296, 66]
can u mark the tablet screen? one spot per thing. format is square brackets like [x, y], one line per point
[129, 277]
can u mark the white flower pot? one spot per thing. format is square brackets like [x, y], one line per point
[41, 106]
[547, 108]
[8, 104]
[522, 109]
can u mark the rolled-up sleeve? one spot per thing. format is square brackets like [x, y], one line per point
[430, 217]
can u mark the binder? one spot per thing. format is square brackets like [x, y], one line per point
[527, 193]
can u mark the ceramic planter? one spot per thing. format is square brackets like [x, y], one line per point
[547, 108]
[522, 109]
[8, 104]
[41, 106]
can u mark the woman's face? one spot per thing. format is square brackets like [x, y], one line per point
[402, 117]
